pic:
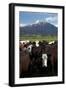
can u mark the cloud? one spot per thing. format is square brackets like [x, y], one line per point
[37, 21]
[52, 20]
[22, 25]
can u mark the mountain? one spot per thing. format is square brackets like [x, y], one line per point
[41, 28]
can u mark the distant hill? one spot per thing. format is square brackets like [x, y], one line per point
[42, 28]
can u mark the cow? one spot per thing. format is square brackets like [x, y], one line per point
[52, 42]
[38, 57]
[24, 62]
[51, 51]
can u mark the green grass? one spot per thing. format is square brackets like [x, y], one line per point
[38, 37]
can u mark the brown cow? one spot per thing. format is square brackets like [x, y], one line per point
[24, 62]
[52, 51]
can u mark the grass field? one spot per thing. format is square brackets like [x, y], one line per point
[38, 37]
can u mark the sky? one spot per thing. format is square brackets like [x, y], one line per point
[28, 18]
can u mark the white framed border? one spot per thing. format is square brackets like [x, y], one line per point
[37, 79]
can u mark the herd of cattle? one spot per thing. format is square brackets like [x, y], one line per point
[38, 58]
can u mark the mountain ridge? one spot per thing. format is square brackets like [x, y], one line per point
[41, 28]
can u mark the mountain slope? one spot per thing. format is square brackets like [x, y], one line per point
[41, 28]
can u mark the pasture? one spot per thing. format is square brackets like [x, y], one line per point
[38, 37]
